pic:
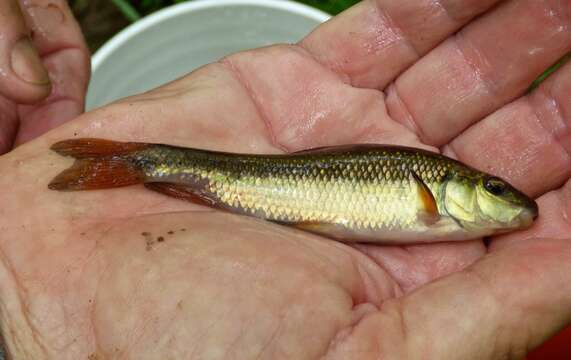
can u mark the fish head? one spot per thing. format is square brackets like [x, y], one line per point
[487, 204]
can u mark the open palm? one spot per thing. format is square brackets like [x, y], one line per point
[127, 273]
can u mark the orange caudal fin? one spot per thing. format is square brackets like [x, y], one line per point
[100, 164]
[95, 148]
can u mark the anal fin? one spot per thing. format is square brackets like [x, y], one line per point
[183, 192]
[332, 230]
[312, 226]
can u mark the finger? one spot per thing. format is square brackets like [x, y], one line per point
[375, 40]
[307, 105]
[281, 95]
[501, 307]
[62, 47]
[23, 77]
[487, 64]
[528, 142]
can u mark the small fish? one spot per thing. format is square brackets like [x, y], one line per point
[363, 193]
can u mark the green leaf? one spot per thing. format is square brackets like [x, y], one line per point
[127, 9]
[331, 6]
[134, 9]
[550, 71]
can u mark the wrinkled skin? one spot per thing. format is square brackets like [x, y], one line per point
[130, 274]
[37, 95]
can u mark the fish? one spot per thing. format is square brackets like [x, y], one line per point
[369, 193]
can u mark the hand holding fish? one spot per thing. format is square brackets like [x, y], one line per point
[131, 273]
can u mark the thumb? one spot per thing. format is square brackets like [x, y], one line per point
[502, 307]
[59, 40]
[24, 78]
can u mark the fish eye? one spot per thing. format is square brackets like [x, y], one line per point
[495, 186]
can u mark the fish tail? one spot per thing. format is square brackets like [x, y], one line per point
[99, 164]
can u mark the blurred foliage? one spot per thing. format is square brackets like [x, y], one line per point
[133, 10]
[101, 19]
[333, 7]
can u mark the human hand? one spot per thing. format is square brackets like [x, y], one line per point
[44, 69]
[127, 273]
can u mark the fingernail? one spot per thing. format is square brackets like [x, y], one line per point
[27, 65]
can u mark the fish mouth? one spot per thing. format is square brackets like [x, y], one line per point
[528, 214]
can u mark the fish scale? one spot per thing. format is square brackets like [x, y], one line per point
[295, 190]
[332, 188]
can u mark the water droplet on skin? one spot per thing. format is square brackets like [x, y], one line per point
[51, 19]
[535, 50]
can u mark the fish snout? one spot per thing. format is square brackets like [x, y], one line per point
[529, 214]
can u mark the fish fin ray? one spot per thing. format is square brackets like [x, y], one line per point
[336, 149]
[331, 230]
[184, 192]
[429, 209]
[95, 148]
[317, 150]
[100, 164]
[310, 225]
[92, 174]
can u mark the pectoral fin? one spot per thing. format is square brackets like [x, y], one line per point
[428, 211]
